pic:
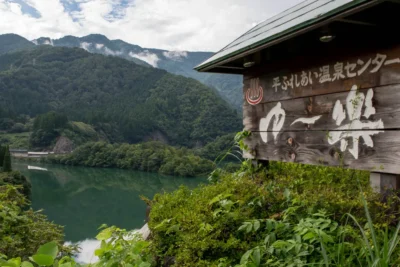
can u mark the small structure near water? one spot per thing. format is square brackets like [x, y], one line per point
[39, 154]
[24, 153]
[322, 86]
[19, 152]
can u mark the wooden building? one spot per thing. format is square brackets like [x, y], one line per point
[321, 85]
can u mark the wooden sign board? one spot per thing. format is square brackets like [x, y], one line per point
[342, 112]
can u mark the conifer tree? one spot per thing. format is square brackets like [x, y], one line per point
[2, 153]
[7, 160]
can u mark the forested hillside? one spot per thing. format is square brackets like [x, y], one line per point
[177, 62]
[128, 102]
[13, 42]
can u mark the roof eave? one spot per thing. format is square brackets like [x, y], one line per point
[299, 29]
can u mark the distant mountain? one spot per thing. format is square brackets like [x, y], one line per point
[128, 102]
[176, 62]
[13, 42]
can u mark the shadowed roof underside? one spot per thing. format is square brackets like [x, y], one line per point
[298, 17]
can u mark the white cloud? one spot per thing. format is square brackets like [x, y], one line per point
[146, 56]
[99, 46]
[110, 52]
[85, 45]
[175, 55]
[15, 8]
[190, 25]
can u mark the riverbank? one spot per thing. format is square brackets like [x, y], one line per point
[148, 157]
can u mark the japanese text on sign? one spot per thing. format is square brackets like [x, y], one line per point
[329, 73]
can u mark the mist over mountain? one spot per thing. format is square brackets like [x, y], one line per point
[176, 62]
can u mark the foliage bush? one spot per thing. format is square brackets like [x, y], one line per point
[118, 248]
[200, 227]
[149, 157]
[17, 179]
[23, 230]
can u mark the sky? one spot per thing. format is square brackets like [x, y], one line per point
[176, 25]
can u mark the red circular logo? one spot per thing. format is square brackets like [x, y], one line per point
[255, 93]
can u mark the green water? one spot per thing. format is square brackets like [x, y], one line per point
[81, 199]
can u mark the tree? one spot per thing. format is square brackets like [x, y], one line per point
[2, 153]
[7, 161]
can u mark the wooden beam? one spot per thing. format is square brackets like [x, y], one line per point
[357, 22]
[291, 74]
[386, 101]
[314, 148]
[231, 67]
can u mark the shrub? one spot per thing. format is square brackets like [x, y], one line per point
[17, 179]
[23, 231]
[200, 227]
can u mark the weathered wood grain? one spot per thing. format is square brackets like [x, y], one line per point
[313, 148]
[386, 101]
[387, 75]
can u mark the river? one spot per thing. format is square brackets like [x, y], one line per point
[81, 199]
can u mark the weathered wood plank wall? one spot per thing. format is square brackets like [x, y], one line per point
[340, 110]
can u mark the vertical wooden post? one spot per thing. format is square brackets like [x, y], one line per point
[381, 182]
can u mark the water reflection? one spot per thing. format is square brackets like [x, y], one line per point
[82, 198]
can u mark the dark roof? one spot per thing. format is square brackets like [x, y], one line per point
[300, 16]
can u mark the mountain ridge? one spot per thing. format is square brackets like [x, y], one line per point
[126, 100]
[176, 62]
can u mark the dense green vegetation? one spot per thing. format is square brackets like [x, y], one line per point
[177, 62]
[48, 127]
[10, 177]
[127, 102]
[23, 230]
[13, 42]
[149, 157]
[217, 149]
[290, 215]
[15, 140]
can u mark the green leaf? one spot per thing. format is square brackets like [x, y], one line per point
[256, 225]
[256, 256]
[245, 257]
[173, 228]
[279, 244]
[98, 252]
[105, 234]
[145, 264]
[308, 236]
[286, 194]
[16, 261]
[249, 228]
[43, 260]
[67, 264]
[50, 249]
[102, 226]
[7, 264]
[242, 227]
[26, 264]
